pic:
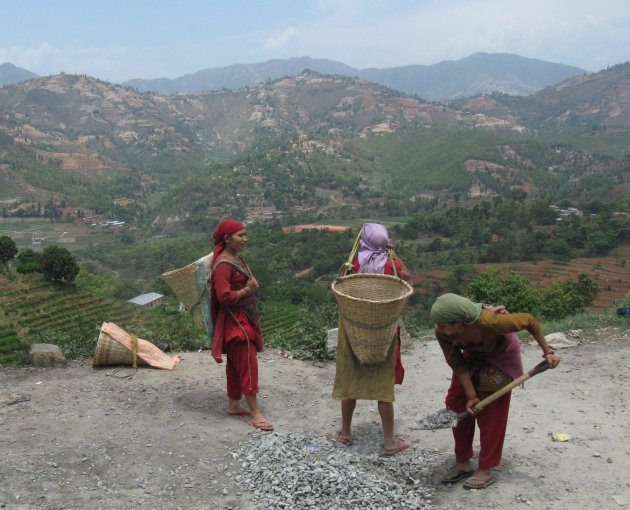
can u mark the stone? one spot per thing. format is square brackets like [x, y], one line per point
[331, 340]
[405, 338]
[559, 341]
[47, 355]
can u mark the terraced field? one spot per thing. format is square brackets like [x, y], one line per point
[611, 274]
[12, 351]
[33, 306]
[279, 322]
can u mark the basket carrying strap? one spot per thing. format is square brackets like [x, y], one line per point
[347, 266]
[206, 290]
[390, 253]
[134, 352]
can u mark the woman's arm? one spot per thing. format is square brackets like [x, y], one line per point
[513, 322]
[471, 394]
[548, 354]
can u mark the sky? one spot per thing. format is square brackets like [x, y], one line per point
[118, 40]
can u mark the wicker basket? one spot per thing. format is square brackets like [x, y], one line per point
[111, 352]
[189, 285]
[370, 306]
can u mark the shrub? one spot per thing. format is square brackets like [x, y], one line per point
[29, 267]
[8, 250]
[509, 289]
[58, 264]
[514, 292]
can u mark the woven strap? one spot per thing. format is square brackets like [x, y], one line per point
[133, 340]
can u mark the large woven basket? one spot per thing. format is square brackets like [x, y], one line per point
[370, 306]
[111, 352]
[189, 288]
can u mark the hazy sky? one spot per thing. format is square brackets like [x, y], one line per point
[117, 40]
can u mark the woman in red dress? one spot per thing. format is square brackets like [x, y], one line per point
[237, 332]
[480, 345]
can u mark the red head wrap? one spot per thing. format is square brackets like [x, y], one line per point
[225, 228]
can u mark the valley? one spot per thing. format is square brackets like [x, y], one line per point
[133, 183]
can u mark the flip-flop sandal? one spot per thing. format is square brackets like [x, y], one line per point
[262, 425]
[347, 440]
[470, 484]
[457, 476]
[400, 446]
[242, 412]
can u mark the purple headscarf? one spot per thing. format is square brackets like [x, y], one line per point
[373, 248]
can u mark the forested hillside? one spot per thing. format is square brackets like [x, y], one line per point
[134, 183]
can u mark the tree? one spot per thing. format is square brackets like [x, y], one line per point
[29, 261]
[8, 250]
[58, 264]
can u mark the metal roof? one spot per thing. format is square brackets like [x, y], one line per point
[145, 299]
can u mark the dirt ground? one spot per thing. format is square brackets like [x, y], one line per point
[80, 438]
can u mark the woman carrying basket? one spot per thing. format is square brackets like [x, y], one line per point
[355, 381]
[480, 345]
[236, 321]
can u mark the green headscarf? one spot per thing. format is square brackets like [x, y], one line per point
[452, 307]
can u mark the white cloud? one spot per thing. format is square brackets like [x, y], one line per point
[399, 32]
[281, 39]
[32, 59]
[109, 63]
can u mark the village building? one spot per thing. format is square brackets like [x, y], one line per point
[148, 300]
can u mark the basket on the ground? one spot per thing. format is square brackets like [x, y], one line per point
[189, 285]
[111, 352]
[370, 306]
[117, 347]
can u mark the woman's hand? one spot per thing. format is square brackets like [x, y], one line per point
[470, 403]
[551, 359]
[251, 286]
[495, 308]
[390, 244]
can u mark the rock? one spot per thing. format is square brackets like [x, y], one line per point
[559, 341]
[405, 337]
[443, 419]
[47, 355]
[331, 340]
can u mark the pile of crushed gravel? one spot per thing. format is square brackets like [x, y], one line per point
[443, 419]
[293, 471]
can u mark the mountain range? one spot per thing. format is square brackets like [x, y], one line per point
[71, 135]
[481, 73]
[12, 74]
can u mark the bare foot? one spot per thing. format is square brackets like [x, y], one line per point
[238, 411]
[459, 471]
[258, 418]
[343, 438]
[400, 444]
[262, 425]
